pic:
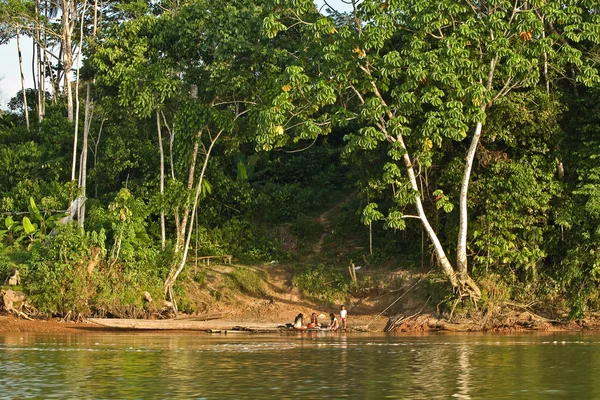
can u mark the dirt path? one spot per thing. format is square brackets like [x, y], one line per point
[324, 220]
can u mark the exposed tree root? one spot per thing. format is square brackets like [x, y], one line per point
[505, 316]
[16, 303]
[19, 314]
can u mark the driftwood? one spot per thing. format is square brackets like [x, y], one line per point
[452, 327]
[395, 322]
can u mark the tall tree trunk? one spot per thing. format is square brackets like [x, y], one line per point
[25, 108]
[546, 78]
[176, 270]
[87, 122]
[41, 93]
[437, 246]
[75, 136]
[461, 247]
[190, 185]
[463, 285]
[94, 31]
[33, 64]
[182, 223]
[68, 15]
[163, 237]
[41, 83]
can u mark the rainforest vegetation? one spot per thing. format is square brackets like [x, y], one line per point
[456, 137]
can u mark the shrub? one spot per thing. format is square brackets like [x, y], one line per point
[57, 280]
[322, 282]
[249, 281]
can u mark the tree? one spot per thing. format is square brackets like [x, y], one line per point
[417, 74]
[210, 57]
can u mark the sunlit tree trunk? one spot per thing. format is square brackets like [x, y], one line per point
[176, 269]
[461, 247]
[183, 223]
[75, 136]
[163, 237]
[40, 67]
[68, 15]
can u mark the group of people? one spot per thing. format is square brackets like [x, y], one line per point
[334, 325]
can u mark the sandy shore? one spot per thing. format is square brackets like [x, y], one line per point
[13, 324]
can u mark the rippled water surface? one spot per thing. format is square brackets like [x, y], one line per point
[361, 366]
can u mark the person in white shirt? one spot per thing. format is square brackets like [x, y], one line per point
[343, 314]
[334, 322]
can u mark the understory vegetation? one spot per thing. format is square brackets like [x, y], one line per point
[398, 136]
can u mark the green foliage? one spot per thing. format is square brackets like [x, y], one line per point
[131, 243]
[311, 108]
[57, 280]
[250, 281]
[120, 293]
[437, 287]
[258, 244]
[322, 282]
[307, 229]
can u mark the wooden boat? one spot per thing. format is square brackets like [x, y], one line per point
[183, 324]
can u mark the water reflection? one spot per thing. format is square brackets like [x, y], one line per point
[464, 353]
[307, 365]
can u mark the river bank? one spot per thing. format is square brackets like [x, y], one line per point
[356, 323]
[399, 308]
[10, 323]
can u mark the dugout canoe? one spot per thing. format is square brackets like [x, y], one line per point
[186, 325]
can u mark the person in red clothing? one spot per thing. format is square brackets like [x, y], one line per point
[314, 321]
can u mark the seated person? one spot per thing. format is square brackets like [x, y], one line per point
[299, 322]
[334, 322]
[314, 321]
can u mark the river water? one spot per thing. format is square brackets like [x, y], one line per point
[94, 365]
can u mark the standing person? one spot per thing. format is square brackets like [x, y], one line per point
[334, 322]
[343, 314]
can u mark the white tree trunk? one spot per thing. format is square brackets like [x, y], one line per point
[437, 245]
[183, 224]
[461, 248]
[174, 273]
[68, 15]
[25, 108]
[75, 136]
[87, 122]
[163, 237]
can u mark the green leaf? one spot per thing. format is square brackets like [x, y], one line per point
[28, 226]
[8, 222]
[34, 211]
[242, 175]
